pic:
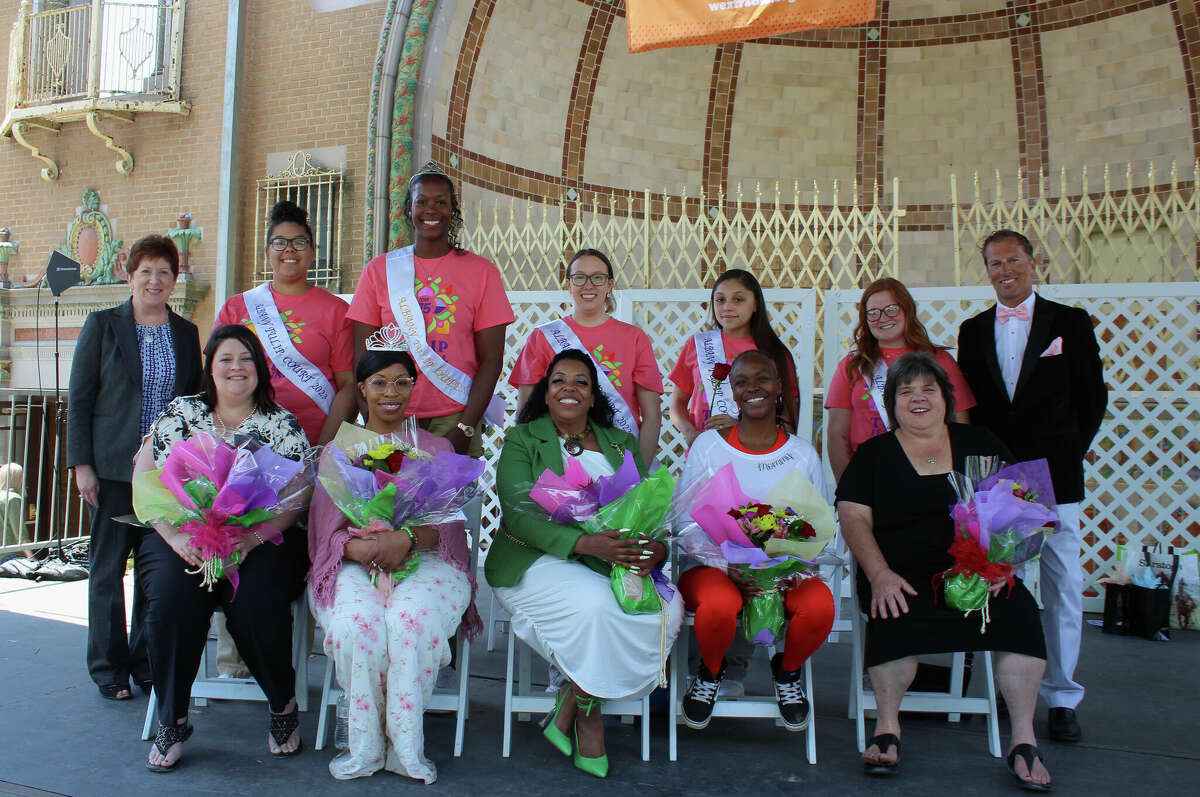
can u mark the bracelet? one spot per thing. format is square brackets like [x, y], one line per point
[411, 536]
[258, 537]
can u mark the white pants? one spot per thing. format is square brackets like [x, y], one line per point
[1061, 582]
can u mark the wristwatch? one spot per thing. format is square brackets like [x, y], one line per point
[468, 431]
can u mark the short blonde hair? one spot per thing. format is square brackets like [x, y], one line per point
[12, 476]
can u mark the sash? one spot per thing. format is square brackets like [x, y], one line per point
[449, 380]
[561, 337]
[875, 382]
[277, 343]
[710, 351]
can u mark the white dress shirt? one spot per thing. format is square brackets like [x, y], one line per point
[1011, 337]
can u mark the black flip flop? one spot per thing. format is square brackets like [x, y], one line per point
[281, 728]
[1028, 754]
[883, 742]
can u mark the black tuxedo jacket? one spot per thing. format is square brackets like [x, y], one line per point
[104, 409]
[1060, 400]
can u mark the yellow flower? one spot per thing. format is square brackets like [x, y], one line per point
[768, 523]
[381, 452]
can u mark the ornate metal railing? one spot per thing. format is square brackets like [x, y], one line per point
[107, 59]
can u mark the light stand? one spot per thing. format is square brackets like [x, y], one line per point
[61, 272]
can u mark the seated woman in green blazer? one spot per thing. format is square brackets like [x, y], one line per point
[553, 579]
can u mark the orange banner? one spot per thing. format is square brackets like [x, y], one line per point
[654, 24]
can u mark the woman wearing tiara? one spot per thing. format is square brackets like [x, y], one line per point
[621, 351]
[308, 339]
[388, 646]
[450, 305]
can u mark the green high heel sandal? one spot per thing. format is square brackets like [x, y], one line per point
[553, 735]
[597, 766]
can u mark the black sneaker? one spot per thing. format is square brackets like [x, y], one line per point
[701, 697]
[789, 693]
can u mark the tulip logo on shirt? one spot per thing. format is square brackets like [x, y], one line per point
[291, 320]
[612, 368]
[438, 304]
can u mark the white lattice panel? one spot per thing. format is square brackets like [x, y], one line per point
[669, 317]
[1143, 471]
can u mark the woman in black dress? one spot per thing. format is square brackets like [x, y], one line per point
[893, 503]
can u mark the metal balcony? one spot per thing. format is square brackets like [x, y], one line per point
[92, 61]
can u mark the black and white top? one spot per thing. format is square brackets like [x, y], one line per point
[186, 415]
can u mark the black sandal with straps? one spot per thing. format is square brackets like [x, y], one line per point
[281, 728]
[167, 737]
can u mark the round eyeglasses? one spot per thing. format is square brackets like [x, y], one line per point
[891, 311]
[279, 243]
[579, 280]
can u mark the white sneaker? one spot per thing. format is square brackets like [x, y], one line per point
[731, 689]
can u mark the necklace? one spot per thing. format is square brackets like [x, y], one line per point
[572, 443]
[225, 432]
[932, 460]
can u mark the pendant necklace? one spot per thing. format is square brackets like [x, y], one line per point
[932, 460]
[572, 443]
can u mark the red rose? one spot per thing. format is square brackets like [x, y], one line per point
[393, 461]
[721, 371]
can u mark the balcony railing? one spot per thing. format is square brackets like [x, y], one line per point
[93, 60]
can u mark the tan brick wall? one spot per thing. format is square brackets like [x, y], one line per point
[950, 108]
[1115, 92]
[918, 9]
[308, 85]
[647, 125]
[815, 141]
[175, 161]
[519, 98]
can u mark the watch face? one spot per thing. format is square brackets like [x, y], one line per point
[469, 431]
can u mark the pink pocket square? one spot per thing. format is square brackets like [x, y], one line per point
[1054, 348]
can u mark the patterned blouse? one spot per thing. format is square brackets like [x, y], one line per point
[187, 415]
[158, 370]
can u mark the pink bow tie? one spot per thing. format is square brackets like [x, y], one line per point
[1004, 313]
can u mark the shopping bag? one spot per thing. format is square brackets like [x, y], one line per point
[1185, 592]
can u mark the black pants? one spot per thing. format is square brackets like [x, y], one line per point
[111, 656]
[179, 611]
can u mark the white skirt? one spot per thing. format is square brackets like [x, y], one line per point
[568, 614]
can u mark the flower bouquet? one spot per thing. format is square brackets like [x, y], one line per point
[216, 494]
[640, 508]
[386, 482]
[768, 541]
[1001, 521]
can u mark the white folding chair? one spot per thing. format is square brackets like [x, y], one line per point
[952, 703]
[447, 700]
[207, 687]
[525, 703]
[746, 706]
[498, 618]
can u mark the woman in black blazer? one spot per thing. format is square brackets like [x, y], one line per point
[129, 362]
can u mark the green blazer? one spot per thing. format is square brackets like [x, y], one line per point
[525, 535]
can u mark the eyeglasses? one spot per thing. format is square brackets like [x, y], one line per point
[891, 311]
[280, 243]
[579, 280]
[401, 383]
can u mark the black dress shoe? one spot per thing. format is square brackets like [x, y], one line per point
[1063, 725]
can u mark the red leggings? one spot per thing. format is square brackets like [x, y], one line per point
[715, 599]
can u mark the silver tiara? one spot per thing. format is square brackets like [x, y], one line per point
[388, 338]
[430, 169]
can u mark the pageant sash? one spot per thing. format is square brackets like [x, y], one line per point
[875, 382]
[449, 380]
[561, 337]
[273, 332]
[710, 351]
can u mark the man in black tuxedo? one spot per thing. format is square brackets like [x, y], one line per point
[1034, 367]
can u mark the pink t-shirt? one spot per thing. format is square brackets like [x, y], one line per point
[622, 350]
[865, 422]
[460, 294]
[320, 330]
[686, 375]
